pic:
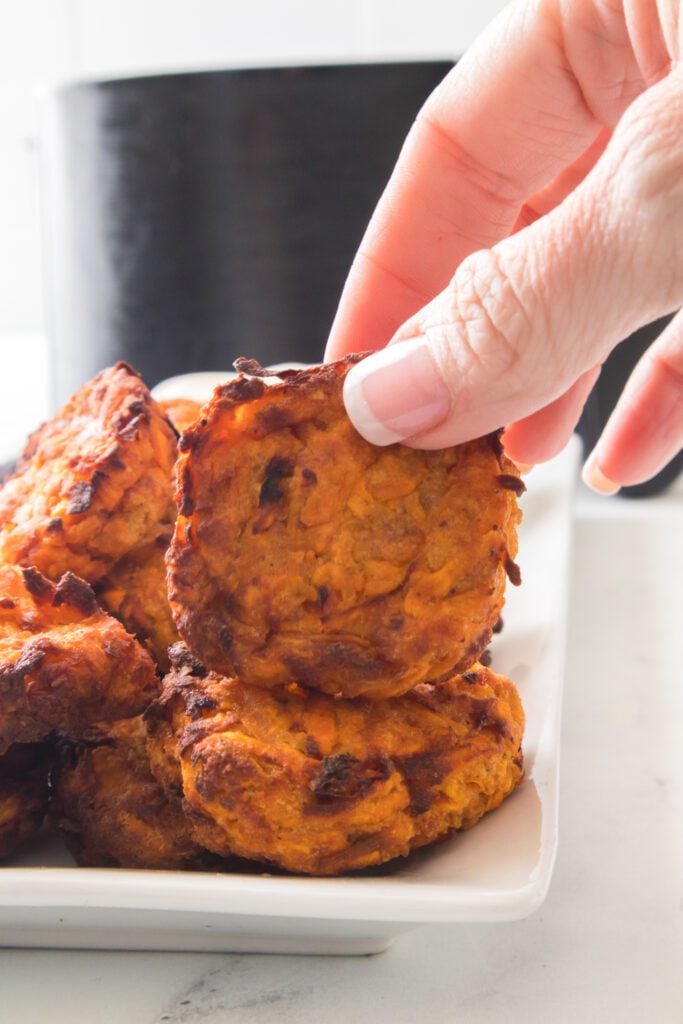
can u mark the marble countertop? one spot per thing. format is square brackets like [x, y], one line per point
[607, 944]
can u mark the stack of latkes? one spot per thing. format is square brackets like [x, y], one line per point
[285, 670]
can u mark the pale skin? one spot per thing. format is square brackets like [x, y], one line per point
[533, 220]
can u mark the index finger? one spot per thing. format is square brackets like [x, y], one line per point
[502, 124]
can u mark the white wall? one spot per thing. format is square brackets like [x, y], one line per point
[48, 40]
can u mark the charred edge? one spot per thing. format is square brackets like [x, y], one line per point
[497, 444]
[277, 470]
[73, 590]
[224, 637]
[422, 774]
[31, 657]
[474, 652]
[181, 658]
[495, 440]
[323, 597]
[54, 525]
[312, 749]
[498, 628]
[82, 493]
[113, 459]
[8, 603]
[36, 584]
[186, 503]
[486, 716]
[470, 677]
[244, 389]
[485, 658]
[274, 417]
[74, 747]
[513, 571]
[511, 483]
[342, 777]
[481, 714]
[197, 703]
[397, 622]
[306, 671]
[309, 476]
[251, 367]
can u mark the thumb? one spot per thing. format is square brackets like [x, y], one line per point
[521, 322]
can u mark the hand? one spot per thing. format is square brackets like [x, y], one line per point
[534, 219]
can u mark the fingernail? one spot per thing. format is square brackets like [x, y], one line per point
[594, 478]
[396, 393]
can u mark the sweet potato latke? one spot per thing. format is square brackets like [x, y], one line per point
[93, 483]
[23, 795]
[64, 663]
[323, 785]
[112, 812]
[341, 594]
[302, 552]
[135, 592]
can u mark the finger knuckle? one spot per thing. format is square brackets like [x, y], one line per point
[668, 365]
[649, 142]
[489, 316]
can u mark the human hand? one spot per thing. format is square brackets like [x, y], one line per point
[533, 220]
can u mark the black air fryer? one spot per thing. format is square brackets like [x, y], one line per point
[194, 218]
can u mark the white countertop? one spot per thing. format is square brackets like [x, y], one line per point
[607, 945]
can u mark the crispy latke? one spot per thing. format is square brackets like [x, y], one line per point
[112, 812]
[24, 793]
[323, 785]
[64, 663]
[135, 592]
[302, 552]
[93, 483]
[182, 412]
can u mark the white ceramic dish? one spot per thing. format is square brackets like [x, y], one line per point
[498, 871]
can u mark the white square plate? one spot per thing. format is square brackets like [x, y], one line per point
[498, 871]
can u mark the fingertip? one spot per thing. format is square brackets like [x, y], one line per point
[359, 411]
[334, 349]
[396, 394]
[529, 443]
[594, 478]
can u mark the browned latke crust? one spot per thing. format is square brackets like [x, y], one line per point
[135, 592]
[24, 795]
[323, 785]
[93, 482]
[303, 552]
[64, 663]
[112, 812]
